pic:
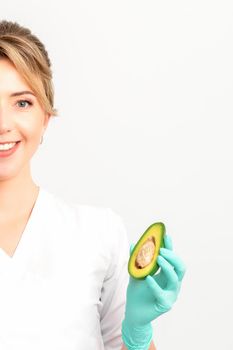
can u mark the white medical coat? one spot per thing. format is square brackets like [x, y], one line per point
[65, 286]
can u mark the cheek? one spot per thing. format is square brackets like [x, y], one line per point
[31, 132]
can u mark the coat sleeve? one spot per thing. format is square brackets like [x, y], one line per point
[113, 292]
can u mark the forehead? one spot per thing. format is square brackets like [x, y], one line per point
[10, 79]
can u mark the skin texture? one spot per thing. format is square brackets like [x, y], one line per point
[18, 121]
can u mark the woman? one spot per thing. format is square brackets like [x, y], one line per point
[63, 267]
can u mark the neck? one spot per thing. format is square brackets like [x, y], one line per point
[17, 196]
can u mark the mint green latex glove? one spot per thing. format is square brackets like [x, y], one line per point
[150, 297]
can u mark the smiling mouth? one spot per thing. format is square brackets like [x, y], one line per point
[7, 150]
[3, 143]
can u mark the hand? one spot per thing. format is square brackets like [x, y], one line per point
[149, 298]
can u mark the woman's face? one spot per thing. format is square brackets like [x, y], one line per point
[21, 119]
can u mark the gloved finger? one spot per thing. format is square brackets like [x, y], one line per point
[175, 261]
[170, 274]
[168, 242]
[155, 289]
[131, 248]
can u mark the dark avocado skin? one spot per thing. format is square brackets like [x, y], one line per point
[157, 230]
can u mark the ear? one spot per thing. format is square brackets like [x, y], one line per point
[46, 120]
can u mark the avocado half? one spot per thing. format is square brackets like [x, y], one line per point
[142, 261]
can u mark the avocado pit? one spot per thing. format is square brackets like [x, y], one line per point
[146, 253]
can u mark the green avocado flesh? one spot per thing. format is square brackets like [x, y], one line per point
[142, 261]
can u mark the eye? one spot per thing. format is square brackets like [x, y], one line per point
[23, 101]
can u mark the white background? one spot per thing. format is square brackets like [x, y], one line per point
[144, 91]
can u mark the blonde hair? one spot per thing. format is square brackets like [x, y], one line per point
[30, 58]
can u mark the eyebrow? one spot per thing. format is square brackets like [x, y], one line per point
[21, 93]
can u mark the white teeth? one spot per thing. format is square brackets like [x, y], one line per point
[7, 146]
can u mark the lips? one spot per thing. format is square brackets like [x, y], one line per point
[4, 154]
